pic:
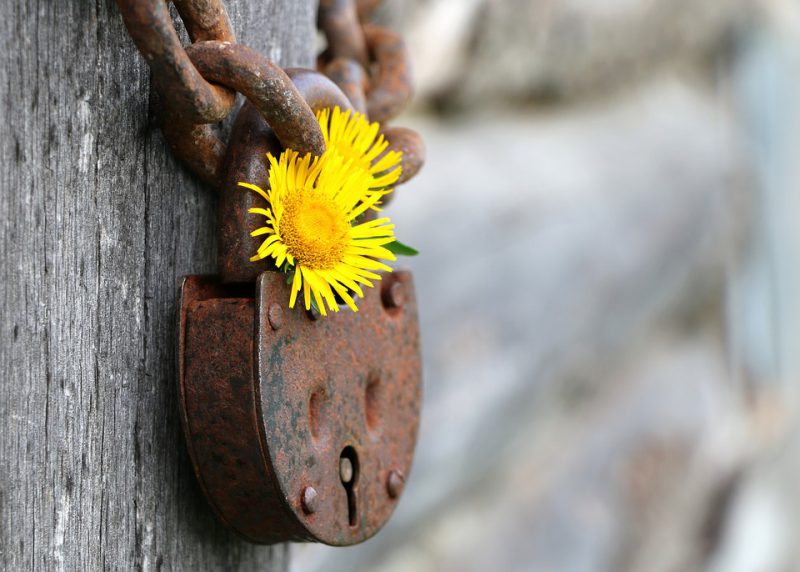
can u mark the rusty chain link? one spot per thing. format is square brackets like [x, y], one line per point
[198, 83]
[386, 83]
[366, 8]
[185, 91]
[371, 66]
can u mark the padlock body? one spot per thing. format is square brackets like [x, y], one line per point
[276, 403]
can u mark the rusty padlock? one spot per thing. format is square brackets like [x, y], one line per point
[300, 428]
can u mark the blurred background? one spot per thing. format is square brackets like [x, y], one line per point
[607, 288]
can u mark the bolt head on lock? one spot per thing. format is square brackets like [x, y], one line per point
[299, 429]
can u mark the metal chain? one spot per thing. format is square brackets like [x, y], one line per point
[183, 88]
[369, 65]
[265, 85]
[386, 79]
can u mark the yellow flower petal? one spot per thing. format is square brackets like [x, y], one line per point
[312, 204]
[356, 140]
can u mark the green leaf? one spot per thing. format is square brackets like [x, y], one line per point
[401, 249]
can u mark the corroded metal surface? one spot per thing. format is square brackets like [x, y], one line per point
[189, 102]
[338, 20]
[369, 64]
[318, 91]
[198, 146]
[273, 413]
[392, 86]
[185, 91]
[386, 82]
[351, 78]
[366, 8]
[205, 20]
[411, 145]
[267, 87]
[251, 139]
[383, 88]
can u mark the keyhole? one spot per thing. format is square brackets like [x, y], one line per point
[348, 473]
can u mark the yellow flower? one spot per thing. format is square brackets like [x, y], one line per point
[309, 227]
[354, 138]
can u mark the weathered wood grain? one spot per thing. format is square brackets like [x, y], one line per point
[97, 224]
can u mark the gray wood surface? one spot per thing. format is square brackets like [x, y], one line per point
[97, 225]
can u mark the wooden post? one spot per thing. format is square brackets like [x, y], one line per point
[98, 222]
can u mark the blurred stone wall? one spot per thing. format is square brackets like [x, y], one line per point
[607, 289]
[469, 52]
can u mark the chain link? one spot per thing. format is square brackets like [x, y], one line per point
[205, 20]
[338, 20]
[182, 87]
[386, 83]
[371, 65]
[265, 85]
[391, 87]
[368, 67]
[366, 8]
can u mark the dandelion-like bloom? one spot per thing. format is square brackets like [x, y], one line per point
[313, 203]
[354, 138]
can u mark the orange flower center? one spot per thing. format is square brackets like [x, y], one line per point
[315, 229]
